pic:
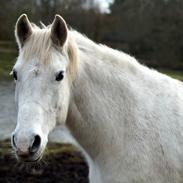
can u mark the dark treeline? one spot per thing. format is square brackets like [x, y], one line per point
[152, 30]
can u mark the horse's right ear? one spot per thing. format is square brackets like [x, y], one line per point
[23, 30]
[59, 31]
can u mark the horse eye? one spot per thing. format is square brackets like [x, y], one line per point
[60, 76]
[15, 74]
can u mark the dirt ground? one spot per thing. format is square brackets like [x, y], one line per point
[61, 163]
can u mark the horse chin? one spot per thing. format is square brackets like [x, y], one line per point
[31, 159]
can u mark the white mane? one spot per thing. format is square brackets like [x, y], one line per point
[118, 59]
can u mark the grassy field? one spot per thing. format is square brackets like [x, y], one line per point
[8, 54]
[174, 74]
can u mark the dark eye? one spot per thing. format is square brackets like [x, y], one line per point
[15, 74]
[60, 76]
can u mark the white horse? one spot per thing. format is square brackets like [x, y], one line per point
[127, 118]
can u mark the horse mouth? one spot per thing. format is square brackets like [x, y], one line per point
[29, 159]
[33, 161]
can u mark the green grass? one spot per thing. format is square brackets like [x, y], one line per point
[8, 54]
[172, 73]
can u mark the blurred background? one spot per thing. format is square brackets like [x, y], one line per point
[150, 30]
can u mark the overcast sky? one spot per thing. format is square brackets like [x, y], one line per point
[104, 4]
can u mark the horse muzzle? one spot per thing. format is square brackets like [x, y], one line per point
[27, 149]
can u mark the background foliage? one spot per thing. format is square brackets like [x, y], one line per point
[151, 30]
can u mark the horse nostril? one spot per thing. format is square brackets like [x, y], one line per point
[13, 141]
[36, 144]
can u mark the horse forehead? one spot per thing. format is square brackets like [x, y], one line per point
[35, 62]
[38, 46]
[36, 70]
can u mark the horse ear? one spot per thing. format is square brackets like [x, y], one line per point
[23, 29]
[59, 31]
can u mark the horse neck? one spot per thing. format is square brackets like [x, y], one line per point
[100, 95]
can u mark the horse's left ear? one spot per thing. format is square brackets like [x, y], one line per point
[59, 31]
[23, 30]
